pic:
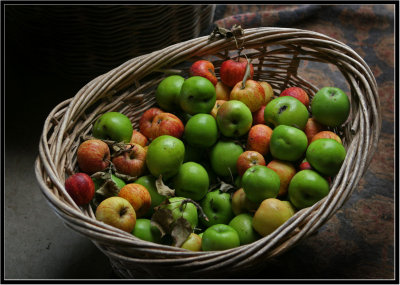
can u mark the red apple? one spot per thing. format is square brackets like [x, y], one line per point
[205, 69]
[222, 91]
[132, 162]
[138, 196]
[252, 94]
[93, 156]
[326, 135]
[305, 165]
[258, 116]
[166, 124]
[285, 171]
[312, 128]
[258, 138]
[297, 93]
[232, 71]
[80, 187]
[216, 107]
[248, 159]
[146, 121]
[139, 138]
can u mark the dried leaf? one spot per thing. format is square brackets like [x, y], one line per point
[127, 178]
[180, 231]
[163, 220]
[220, 32]
[163, 189]
[226, 187]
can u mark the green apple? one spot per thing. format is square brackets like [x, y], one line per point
[217, 207]
[197, 95]
[270, 215]
[287, 111]
[242, 223]
[259, 183]
[223, 157]
[234, 119]
[326, 156]
[191, 181]
[201, 131]
[164, 156]
[187, 211]
[306, 188]
[288, 143]
[113, 126]
[146, 231]
[330, 106]
[167, 92]
[219, 237]
[149, 182]
[193, 242]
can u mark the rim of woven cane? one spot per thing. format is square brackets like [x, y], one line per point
[129, 89]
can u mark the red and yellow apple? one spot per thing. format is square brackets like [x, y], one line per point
[138, 196]
[248, 159]
[131, 162]
[258, 138]
[93, 155]
[252, 94]
[204, 68]
[233, 70]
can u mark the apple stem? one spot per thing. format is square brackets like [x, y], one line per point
[246, 74]
[202, 214]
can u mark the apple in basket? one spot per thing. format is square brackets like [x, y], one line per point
[197, 95]
[132, 161]
[243, 225]
[219, 237]
[217, 207]
[167, 92]
[93, 156]
[166, 124]
[223, 157]
[146, 120]
[222, 91]
[233, 70]
[234, 119]
[204, 68]
[241, 204]
[258, 138]
[138, 196]
[248, 159]
[191, 181]
[113, 126]
[117, 212]
[201, 131]
[193, 242]
[139, 138]
[250, 92]
[80, 187]
[297, 93]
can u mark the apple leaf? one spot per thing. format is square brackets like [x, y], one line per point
[163, 189]
[107, 189]
[163, 219]
[181, 229]
[220, 32]
[127, 178]
[226, 187]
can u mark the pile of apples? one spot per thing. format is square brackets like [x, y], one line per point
[217, 163]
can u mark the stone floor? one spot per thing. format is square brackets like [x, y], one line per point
[356, 243]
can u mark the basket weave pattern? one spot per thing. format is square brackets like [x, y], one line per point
[276, 54]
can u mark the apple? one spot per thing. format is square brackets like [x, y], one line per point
[305, 165]
[164, 156]
[222, 91]
[138, 196]
[98, 182]
[298, 93]
[193, 242]
[216, 107]
[330, 106]
[146, 231]
[149, 182]
[258, 138]
[191, 181]
[306, 188]
[113, 126]
[197, 95]
[286, 110]
[241, 204]
[234, 119]
[268, 91]
[201, 131]
[233, 70]
[258, 116]
[217, 207]
[167, 92]
[131, 162]
[248, 159]
[243, 225]
[326, 135]
[93, 156]
[80, 187]
[166, 124]
[326, 156]
[220, 237]
[138, 138]
[187, 211]
[146, 121]
[259, 183]
[270, 215]
[285, 171]
[251, 93]
[312, 128]
[117, 212]
[223, 157]
[288, 143]
[204, 68]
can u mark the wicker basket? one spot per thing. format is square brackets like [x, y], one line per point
[277, 54]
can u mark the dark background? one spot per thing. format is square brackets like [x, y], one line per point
[42, 60]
